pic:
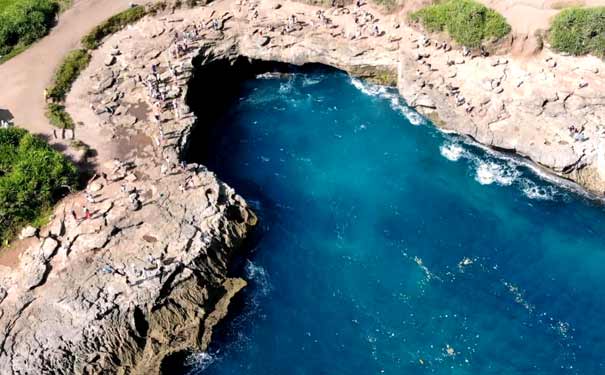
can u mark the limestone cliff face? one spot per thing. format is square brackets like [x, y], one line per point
[143, 278]
[147, 275]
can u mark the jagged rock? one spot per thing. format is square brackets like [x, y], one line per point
[28, 232]
[129, 287]
[57, 228]
[34, 271]
[106, 83]
[48, 247]
[110, 60]
[91, 241]
[95, 187]
[425, 101]
[262, 41]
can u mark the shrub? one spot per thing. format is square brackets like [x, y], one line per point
[466, 21]
[579, 31]
[68, 71]
[58, 116]
[33, 177]
[23, 22]
[113, 24]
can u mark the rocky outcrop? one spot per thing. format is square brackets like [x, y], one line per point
[121, 290]
[142, 274]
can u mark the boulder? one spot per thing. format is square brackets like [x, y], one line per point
[110, 60]
[95, 187]
[48, 247]
[262, 40]
[28, 232]
[425, 101]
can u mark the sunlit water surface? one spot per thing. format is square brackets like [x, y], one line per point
[388, 247]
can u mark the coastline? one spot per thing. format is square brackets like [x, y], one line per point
[61, 287]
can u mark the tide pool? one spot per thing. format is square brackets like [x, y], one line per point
[388, 247]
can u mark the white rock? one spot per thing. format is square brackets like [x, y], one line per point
[28, 232]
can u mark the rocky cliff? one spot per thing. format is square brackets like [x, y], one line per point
[145, 273]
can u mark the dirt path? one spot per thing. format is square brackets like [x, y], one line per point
[23, 78]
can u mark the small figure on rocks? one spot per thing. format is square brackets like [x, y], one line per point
[87, 213]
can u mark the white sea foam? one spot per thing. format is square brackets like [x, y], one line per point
[271, 75]
[488, 172]
[259, 276]
[368, 88]
[286, 87]
[201, 360]
[533, 191]
[310, 81]
[452, 151]
[397, 103]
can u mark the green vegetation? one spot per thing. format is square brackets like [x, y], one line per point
[22, 22]
[33, 177]
[466, 21]
[113, 24]
[77, 60]
[579, 31]
[388, 5]
[70, 69]
[58, 116]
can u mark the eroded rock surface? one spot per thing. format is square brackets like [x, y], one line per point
[124, 288]
[146, 274]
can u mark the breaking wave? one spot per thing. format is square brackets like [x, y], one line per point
[499, 169]
[396, 101]
[488, 172]
[258, 276]
[452, 151]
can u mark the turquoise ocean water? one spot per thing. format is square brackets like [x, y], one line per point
[388, 247]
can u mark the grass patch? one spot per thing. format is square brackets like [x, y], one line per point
[58, 116]
[69, 70]
[113, 24]
[466, 21]
[579, 31]
[22, 22]
[33, 177]
[388, 5]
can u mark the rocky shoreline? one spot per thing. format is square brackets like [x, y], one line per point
[146, 276]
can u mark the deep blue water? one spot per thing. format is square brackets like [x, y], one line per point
[390, 248]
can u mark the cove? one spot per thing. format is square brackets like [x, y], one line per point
[388, 247]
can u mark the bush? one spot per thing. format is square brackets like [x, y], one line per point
[58, 116]
[25, 21]
[466, 21]
[579, 31]
[113, 24]
[68, 71]
[33, 177]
